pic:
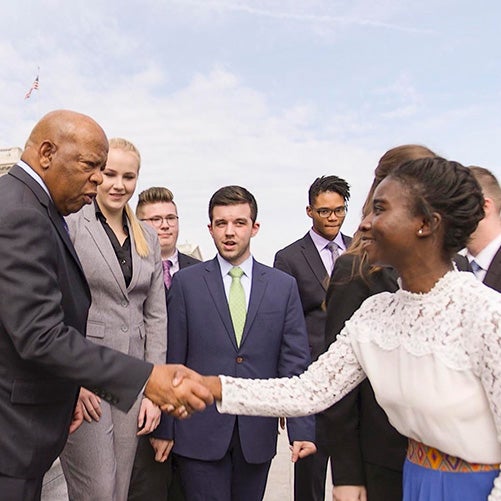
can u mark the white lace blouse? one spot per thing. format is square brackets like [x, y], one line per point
[434, 361]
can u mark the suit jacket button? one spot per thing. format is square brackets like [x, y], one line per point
[124, 328]
[240, 360]
[124, 304]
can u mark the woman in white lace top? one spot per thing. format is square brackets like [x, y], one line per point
[431, 350]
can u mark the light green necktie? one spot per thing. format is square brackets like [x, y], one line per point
[237, 304]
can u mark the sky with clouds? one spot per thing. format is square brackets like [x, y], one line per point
[268, 94]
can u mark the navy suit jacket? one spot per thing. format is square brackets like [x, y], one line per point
[200, 335]
[302, 260]
[44, 355]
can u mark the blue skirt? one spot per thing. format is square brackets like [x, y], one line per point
[426, 484]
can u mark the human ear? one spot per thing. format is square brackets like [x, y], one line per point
[429, 225]
[45, 153]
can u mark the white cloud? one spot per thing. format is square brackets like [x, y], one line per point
[206, 110]
[300, 12]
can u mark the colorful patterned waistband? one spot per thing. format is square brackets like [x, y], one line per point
[432, 458]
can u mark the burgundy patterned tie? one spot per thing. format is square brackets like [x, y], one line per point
[167, 276]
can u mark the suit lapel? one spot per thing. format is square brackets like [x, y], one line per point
[493, 275]
[54, 216]
[103, 245]
[137, 261]
[214, 282]
[259, 284]
[313, 259]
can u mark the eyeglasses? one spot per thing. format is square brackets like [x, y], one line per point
[338, 211]
[158, 220]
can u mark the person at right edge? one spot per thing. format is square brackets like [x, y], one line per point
[367, 453]
[484, 248]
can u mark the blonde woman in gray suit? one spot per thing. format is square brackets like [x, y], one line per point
[121, 260]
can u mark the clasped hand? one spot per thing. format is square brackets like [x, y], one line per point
[177, 390]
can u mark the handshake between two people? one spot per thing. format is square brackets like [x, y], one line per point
[180, 391]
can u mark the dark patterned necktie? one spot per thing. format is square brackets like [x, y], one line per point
[167, 276]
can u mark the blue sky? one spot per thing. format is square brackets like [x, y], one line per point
[267, 94]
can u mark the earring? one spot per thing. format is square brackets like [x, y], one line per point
[420, 232]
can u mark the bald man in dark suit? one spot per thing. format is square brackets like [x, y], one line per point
[44, 355]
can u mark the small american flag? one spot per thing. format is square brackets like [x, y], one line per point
[34, 86]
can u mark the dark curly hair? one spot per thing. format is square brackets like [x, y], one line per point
[328, 183]
[448, 188]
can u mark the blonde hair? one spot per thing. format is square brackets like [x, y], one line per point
[142, 247]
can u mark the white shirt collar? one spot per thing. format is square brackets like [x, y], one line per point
[34, 175]
[321, 242]
[225, 266]
[486, 255]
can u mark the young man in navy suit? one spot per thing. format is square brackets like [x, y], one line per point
[310, 261]
[234, 316]
[484, 248]
[154, 476]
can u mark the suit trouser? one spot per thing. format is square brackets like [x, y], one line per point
[309, 477]
[151, 480]
[383, 484]
[231, 478]
[97, 459]
[20, 489]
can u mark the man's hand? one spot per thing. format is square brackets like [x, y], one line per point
[148, 417]
[77, 418]
[181, 397]
[162, 448]
[91, 405]
[302, 449]
[349, 493]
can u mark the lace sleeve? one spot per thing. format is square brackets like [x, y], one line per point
[325, 382]
[489, 370]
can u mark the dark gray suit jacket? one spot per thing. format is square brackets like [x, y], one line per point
[302, 260]
[44, 355]
[493, 275]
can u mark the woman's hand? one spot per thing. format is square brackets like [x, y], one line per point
[91, 405]
[162, 448]
[149, 417]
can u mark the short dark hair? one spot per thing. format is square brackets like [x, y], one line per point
[328, 183]
[233, 195]
[448, 188]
